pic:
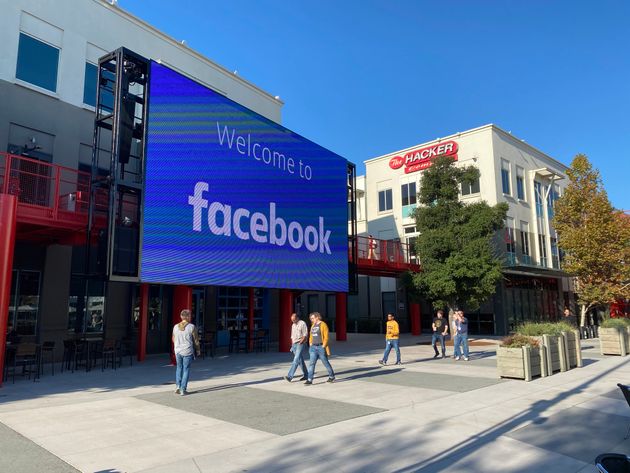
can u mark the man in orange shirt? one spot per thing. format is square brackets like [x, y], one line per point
[391, 340]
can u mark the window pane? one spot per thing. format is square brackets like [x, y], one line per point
[381, 201]
[520, 190]
[412, 193]
[37, 63]
[474, 187]
[505, 180]
[388, 199]
[27, 303]
[404, 192]
[89, 85]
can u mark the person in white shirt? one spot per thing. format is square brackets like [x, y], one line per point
[186, 345]
[299, 333]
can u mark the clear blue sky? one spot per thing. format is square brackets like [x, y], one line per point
[366, 77]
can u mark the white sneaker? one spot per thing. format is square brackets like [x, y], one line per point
[183, 393]
[457, 358]
[465, 358]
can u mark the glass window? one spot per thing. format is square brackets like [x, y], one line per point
[385, 200]
[520, 184]
[525, 242]
[408, 193]
[510, 243]
[24, 302]
[505, 176]
[89, 84]
[542, 250]
[538, 195]
[555, 257]
[232, 308]
[37, 63]
[470, 187]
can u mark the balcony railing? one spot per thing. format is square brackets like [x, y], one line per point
[385, 256]
[48, 194]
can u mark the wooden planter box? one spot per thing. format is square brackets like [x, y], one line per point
[554, 357]
[521, 363]
[613, 341]
[573, 349]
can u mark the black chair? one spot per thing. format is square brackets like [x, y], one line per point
[207, 344]
[48, 348]
[126, 349]
[9, 359]
[238, 341]
[626, 393]
[27, 357]
[612, 463]
[109, 354]
[69, 349]
[261, 340]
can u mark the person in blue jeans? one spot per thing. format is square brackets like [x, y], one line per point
[392, 333]
[319, 350]
[299, 332]
[460, 328]
[440, 332]
[185, 345]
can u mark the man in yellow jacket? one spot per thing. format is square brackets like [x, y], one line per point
[391, 340]
[318, 339]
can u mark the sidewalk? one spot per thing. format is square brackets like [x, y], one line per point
[426, 415]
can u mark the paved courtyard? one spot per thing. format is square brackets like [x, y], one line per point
[241, 416]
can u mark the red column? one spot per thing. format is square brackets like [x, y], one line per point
[414, 313]
[143, 322]
[341, 309]
[284, 319]
[182, 299]
[8, 211]
[250, 317]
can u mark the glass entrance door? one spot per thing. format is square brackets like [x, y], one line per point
[198, 305]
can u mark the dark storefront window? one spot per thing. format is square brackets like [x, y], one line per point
[89, 84]
[24, 302]
[86, 306]
[531, 299]
[232, 308]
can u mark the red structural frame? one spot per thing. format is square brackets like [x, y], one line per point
[8, 210]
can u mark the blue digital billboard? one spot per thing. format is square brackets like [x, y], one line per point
[232, 198]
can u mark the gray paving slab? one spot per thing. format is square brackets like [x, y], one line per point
[270, 411]
[579, 433]
[416, 379]
[20, 455]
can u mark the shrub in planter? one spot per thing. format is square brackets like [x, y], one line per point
[549, 335]
[518, 356]
[613, 337]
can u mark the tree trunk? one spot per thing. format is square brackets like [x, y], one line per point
[583, 310]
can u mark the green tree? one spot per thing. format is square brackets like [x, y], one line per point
[594, 237]
[460, 264]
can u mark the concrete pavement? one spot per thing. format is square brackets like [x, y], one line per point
[426, 415]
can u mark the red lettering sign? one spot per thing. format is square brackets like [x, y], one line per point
[420, 158]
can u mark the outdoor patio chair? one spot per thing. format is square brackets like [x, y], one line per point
[238, 341]
[26, 357]
[126, 349]
[48, 348]
[67, 360]
[612, 463]
[261, 340]
[207, 344]
[109, 354]
[626, 393]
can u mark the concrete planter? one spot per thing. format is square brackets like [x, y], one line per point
[573, 349]
[555, 356]
[521, 363]
[613, 341]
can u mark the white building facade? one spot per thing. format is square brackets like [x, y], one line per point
[512, 171]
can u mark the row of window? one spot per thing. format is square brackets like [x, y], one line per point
[409, 196]
[540, 190]
[38, 64]
[523, 255]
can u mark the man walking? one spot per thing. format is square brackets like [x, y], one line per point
[460, 328]
[319, 349]
[186, 345]
[299, 332]
[391, 340]
[440, 331]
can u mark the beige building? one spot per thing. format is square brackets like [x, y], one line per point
[511, 171]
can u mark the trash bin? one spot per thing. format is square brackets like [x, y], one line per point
[613, 463]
